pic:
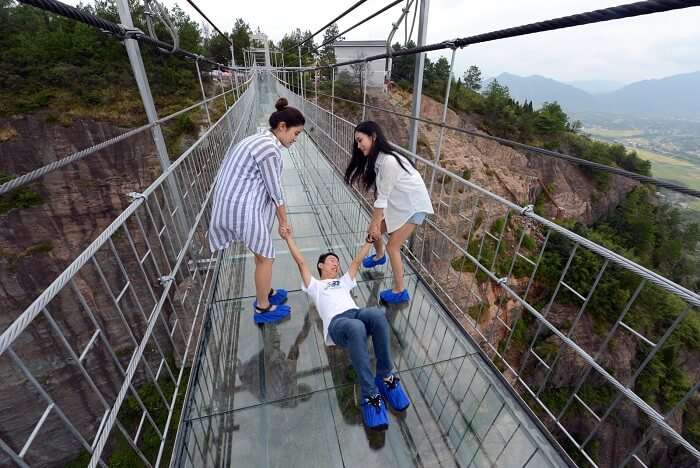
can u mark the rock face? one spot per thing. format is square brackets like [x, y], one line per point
[36, 243]
[77, 201]
[569, 192]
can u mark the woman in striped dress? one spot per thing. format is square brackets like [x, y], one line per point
[247, 198]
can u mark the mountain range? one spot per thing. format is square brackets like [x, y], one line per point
[676, 96]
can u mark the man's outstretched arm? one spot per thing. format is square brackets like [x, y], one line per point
[357, 261]
[299, 259]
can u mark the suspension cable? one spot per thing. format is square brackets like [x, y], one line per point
[155, 9]
[379, 12]
[121, 32]
[597, 16]
[360, 2]
[210, 21]
[514, 144]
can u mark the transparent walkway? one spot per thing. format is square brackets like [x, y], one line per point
[276, 396]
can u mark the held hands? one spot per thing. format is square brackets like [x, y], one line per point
[373, 232]
[285, 231]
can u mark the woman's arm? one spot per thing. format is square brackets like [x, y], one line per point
[374, 229]
[285, 229]
[270, 165]
[387, 177]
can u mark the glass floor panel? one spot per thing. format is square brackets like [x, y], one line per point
[324, 429]
[277, 396]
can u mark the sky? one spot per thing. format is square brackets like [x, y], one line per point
[647, 47]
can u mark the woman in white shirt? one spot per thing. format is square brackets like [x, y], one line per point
[402, 200]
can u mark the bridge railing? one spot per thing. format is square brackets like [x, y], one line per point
[114, 388]
[578, 331]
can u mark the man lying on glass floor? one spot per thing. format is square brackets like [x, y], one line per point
[348, 326]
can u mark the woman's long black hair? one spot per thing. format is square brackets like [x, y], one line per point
[362, 167]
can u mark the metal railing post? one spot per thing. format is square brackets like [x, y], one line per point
[301, 82]
[223, 90]
[443, 121]
[235, 74]
[418, 75]
[316, 78]
[134, 53]
[364, 91]
[333, 90]
[204, 95]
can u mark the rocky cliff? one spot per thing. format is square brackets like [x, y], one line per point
[522, 178]
[562, 191]
[68, 209]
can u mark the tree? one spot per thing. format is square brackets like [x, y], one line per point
[551, 119]
[308, 52]
[217, 48]
[188, 31]
[472, 78]
[291, 52]
[441, 70]
[500, 111]
[240, 37]
[497, 95]
[327, 55]
[403, 67]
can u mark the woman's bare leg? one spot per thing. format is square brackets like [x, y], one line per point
[263, 280]
[393, 248]
[379, 243]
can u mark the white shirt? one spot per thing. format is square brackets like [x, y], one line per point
[401, 192]
[331, 297]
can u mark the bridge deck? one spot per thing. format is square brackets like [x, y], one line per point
[277, 396]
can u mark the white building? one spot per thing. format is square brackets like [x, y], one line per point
[351, 50]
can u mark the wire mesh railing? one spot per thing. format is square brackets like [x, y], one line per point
[552, 311]
[141, 285]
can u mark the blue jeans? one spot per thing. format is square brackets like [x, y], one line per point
[350, 330]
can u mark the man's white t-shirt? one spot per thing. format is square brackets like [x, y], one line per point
[331, 297]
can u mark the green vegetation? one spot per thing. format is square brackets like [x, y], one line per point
[461, 263]
[476, 312]
[23, 197]
[676, 170]
[13, 259]
[50, 62]
[691, 423]
[486, 252]
[500, 115]
[652, 235]
[122, 455]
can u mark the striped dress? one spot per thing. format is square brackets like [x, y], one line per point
[248, 191]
